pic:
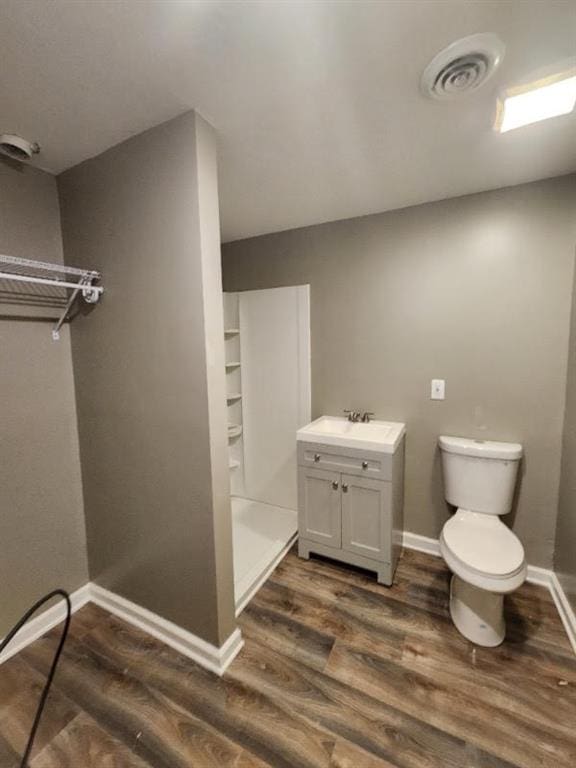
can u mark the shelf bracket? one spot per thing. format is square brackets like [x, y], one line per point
[90, 295]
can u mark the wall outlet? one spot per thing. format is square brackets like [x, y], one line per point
[437, 389]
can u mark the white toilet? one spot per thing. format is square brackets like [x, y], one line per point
[486, 558]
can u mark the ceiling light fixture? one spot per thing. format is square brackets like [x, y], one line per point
[537, 101]
[16, 147]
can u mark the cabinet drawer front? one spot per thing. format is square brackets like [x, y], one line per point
[377, 466]
[366, 517]
[319, 507]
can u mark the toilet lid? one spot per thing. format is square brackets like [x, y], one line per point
[484, 543]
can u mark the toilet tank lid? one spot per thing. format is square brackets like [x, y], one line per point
[484, 449]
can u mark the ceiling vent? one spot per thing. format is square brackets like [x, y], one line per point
[463, 66]
[16, 147]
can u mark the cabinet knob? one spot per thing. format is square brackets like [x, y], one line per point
[335, 484]
[344, 487]
[316, 457]
[364, 465]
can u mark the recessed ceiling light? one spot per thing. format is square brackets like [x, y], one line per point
[538, 101]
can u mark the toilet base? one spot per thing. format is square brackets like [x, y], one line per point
[477, 613]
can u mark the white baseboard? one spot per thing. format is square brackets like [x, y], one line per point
[44, 622]
[536, 575]
[540, 576]
[421, 543]
[207, 655]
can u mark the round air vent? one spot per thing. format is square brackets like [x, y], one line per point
[17, 147]
[463, 66]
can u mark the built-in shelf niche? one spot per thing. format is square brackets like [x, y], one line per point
[234, 402]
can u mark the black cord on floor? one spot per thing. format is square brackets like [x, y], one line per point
[65, 596]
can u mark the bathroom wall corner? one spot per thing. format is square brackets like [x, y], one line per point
[146, 362]
[208, 225]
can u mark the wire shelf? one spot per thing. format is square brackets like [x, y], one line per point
[43, 284]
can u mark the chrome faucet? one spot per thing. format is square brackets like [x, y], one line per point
[366, 416]
[353, 416]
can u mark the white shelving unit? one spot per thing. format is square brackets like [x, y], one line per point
[234, 393]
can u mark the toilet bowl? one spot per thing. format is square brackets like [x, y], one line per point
[486, 558]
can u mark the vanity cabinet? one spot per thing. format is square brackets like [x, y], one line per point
[351, 506]
[366, 517]
[319, 499]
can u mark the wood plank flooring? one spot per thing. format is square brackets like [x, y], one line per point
[337, 672]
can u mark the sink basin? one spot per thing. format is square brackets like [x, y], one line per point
[383, 436]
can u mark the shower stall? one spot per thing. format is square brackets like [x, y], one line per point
[267, 341]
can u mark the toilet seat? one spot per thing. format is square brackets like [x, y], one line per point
[483, 551]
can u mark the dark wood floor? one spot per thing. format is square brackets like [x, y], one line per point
[337, 671]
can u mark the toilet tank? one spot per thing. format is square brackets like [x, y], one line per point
[479, 475]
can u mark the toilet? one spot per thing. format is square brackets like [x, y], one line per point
[486, 559]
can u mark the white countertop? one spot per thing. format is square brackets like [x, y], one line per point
[383, 436]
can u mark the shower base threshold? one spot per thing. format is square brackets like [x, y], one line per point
[262, 535]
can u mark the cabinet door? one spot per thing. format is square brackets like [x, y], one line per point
[319, 504]
[366, 517]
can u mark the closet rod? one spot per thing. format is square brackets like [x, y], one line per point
[46, 281]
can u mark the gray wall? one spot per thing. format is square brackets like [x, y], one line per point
[149, 367]
[565, 560]
[42, 535]
[475, 290]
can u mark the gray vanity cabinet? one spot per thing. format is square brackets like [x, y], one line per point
[319, 498]
[350, 506]
[366, 517]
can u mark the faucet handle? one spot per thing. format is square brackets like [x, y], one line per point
[366, 416]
